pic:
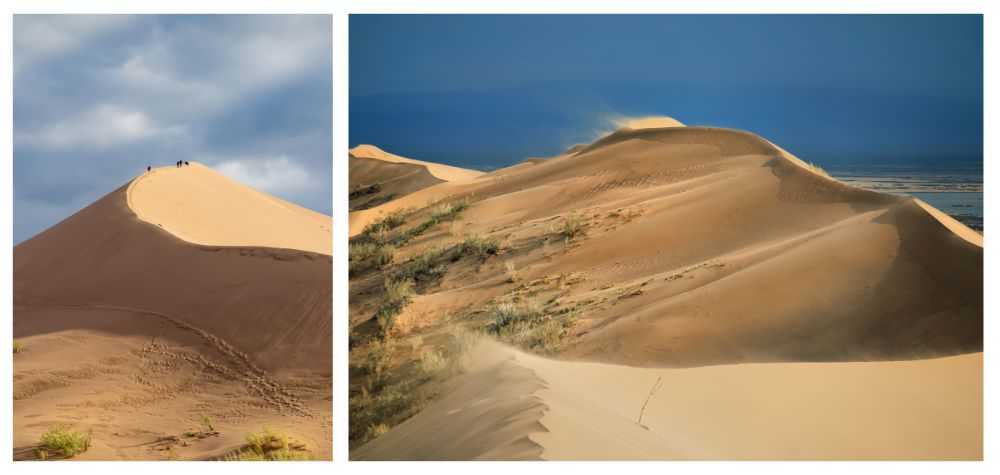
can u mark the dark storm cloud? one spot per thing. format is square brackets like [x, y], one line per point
[97, 98]
[490, 90]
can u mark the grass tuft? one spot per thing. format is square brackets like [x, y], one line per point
[572, 227]
[397, 295]
[269, 445]
[527, 326]
[481, 248]
[60, 441]
[18, 347]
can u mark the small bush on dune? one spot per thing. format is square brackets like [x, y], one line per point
[18, 347]
[444, 212]
[432, 363]
[424, 267]
[373, 413]
[60, 441]
[397, 295]
[269, 445]
[506, 315]
[384, 256]
[377, 362]
[482, 248]
[376, 430]
[528, 326]
[572, 227]
[398, 290]
[369, 254]
[388, 222]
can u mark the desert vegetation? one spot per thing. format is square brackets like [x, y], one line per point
[269, 445]
[62, 442]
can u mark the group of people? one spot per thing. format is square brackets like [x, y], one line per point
[180, 163]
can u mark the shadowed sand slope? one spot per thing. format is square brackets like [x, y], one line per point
[514, 405]
[706, 246]
[674, 247]
[377, 176]
[439, 171]
[158, 330]
[374, 181]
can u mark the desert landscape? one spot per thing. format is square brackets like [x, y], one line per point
[664, 292]
[183, 316]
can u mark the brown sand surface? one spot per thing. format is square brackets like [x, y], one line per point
[134, 333]
[702, 246]
[375, 181]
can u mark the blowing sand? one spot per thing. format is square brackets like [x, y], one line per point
[512, 405]
[681, 247]
[135, 334]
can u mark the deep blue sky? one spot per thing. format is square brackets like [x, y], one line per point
[98, 98]
[488, 91]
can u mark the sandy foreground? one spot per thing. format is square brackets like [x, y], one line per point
[789, 315]
[512, 405]
[169, 300]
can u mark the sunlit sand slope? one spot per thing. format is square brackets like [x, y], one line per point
[200, 205]
[135, 332]
[514, 405]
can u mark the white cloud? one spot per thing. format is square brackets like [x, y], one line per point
[279, 175]
[42, 37]
[103, 126]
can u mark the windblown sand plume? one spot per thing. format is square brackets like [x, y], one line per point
[174, 316]
[839, 323]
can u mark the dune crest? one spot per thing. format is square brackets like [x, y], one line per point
[202, 206]
[439, 171]
[647, 122]
[135, 333]
[764, 293]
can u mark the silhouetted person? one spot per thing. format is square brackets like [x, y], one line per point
[149, 169]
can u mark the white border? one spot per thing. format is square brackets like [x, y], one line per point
[340, 9]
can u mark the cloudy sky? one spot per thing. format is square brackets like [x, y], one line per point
[486, 91]
[97, 98]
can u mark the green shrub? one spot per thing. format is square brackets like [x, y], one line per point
[481, 248]
[424, 267]
[528, 327]
[572, 227]
[269, 445]
[377, 362]
[388, 222]
[63, 442]
[18, 347]
[445, 212]
[397, 295]
[387, 407]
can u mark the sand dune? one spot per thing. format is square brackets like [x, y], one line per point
[439, 171]
[188, 202]
[135, 332]
[375, 181]
[702, 246]
[511, 405]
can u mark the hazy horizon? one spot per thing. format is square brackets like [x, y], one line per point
[486, 91]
